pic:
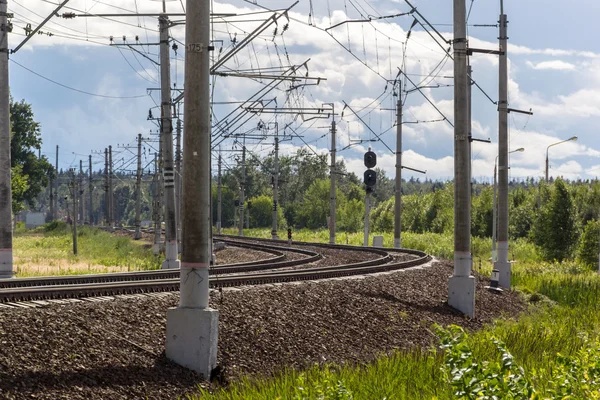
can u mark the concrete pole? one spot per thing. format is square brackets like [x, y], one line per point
[219, 197]
[138, 191]
[171, 253]
[90, 190]
[178, 183]
[6, 255]
[80, 198]
[275, 186]
[111, 208]
[461, 286]
[192, 328]
[367, 211]
[56, 187]
[242, 188]
[502, 264]
[51, 194]
[398, 186]
[332, 179]
[106, 196]
[156, 208]
[495, 216]
[546, 165]
[74, 202]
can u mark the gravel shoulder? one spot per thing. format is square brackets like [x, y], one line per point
[115, 349]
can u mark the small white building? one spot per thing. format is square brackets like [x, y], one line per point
[34, 219]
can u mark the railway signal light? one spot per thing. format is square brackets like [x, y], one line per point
[290, 233]
[370, 178]
[370, 159]
[236, 203]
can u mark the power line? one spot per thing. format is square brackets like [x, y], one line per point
[74, 89]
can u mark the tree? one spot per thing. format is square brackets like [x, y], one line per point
[314, 210]
[588, 246]
[25, 138]
[554, 229]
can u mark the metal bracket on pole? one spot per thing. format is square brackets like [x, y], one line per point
[33, 32]
[520, 111]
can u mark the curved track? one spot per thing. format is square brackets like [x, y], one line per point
[380, 260]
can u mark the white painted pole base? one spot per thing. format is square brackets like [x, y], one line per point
[171, 261]
[461, 286]
[503, 265]
[461, 294]
[6, 263]
[192, 337]
[397, 244]
[274, 237]
[155, 249]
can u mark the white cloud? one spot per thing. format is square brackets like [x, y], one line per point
[557, 65]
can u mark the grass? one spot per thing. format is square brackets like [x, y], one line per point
[48, 250]
[563, 324]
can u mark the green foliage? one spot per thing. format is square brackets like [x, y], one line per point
[261, 212]
[314, 210]
[482, 213]
[25, 138]
[472, 379]
[19, 186]
[382, 216]
[352, 215]
[588, 245]
[554, 229]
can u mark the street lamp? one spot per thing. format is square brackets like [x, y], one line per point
[495, 210]
[574, 138]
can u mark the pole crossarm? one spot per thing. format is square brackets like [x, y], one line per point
[472, 50]
[33, 32]
[519, 111]
[414, 169]
[368, 127]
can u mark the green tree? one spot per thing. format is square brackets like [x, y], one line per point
[555, 230]
[261, 212]
[588, 245]
[25, 138]
[352, 216]
[314, 210]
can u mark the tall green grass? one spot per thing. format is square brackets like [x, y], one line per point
[51, 246]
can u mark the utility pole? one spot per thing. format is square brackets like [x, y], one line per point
[138, 191]
[106, 196]
[73, 186]
[6, 257]
[52, 174]
[91, 188]
[461, 286]
[275, 185]
[332, 186]
[178, 183]
[398, 186]
[156, 208]
[192, 328]
[171, 254]
[502, 264]
[242, 188]
[219, 198]
[80, 199]
[56, 187]
[367, 210]
[111, 208]
[494, 216]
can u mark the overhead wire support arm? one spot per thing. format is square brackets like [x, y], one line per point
[370, 19]
[71, 15]
[414, 169]
[251, 36]
[33, 32]
[428, 23]
[520, 111]
[426, 98]
[368, 127]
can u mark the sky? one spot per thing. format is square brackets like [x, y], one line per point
[89, 92]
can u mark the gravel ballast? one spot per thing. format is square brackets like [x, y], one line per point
[115, 349]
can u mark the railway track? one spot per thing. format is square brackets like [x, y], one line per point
[240, 274]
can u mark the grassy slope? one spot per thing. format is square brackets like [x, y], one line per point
[564, 320]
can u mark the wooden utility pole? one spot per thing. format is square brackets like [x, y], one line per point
[461, 287]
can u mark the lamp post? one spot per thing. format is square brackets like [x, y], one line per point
[494, 210]
[574, 138]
